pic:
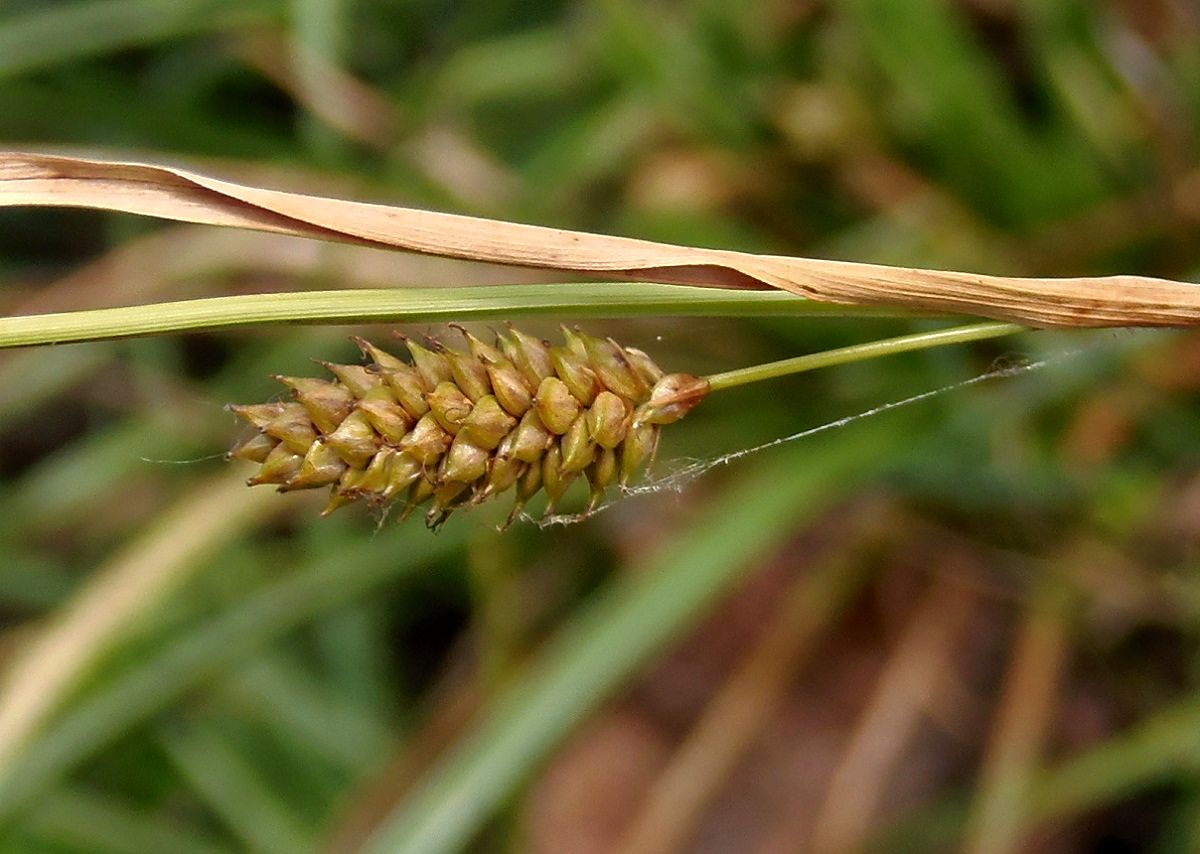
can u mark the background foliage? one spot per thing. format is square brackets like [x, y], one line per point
[971, 622]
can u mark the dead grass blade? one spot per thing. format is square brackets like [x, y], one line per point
[39, 179]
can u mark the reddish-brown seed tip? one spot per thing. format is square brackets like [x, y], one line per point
[673, 396]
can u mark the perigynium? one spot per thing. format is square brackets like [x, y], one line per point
[456, 428]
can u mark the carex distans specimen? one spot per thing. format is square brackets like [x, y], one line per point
[455, 428]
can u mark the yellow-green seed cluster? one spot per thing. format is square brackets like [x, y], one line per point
[456, 428]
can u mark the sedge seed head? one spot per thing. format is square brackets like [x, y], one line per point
[454, 428]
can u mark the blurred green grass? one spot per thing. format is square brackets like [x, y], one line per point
[308, 684]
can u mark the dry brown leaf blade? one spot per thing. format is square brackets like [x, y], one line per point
[28, 179]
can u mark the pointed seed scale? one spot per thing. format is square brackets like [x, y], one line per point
[258, 414]
[449, 406]
[350, 484]
[509, 345]
[573, 370]
[386, 415]
[530, 440]
[420, 492]
[488, 423]
[409, 388]
[337, 500]
[432, 367]
[427, 440]
[528, 485]
[644, 365]
[616, 374]
[464, 462]
[556, 406]
[357, 378]
[480, 350]
[608, 420]
[573, 340]
[554, 480]
[469, 375]
[501, 465]
[502, 474]
[530, 355]
[326, 403]
[382, 359]
[637, 450]
[278, 467]
[600, 475]
[254, 448]
[509, 387]
[354, 439]
[503, 470]
[578, 447]
[402, 473]
[293, 428]
[375, 478]
[445, 498]
[321, 466]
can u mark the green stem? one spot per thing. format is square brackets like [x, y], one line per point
[860, 352]
[402, 305]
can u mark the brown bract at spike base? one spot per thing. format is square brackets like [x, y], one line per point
[455, 428]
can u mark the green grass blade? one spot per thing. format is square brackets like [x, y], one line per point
[235, 792]
[70, 31]
[406, 305]
[297, 707]
[155, 682]
[75, 819]
[1162, 748]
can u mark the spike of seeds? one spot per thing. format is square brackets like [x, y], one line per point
[458, 428]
